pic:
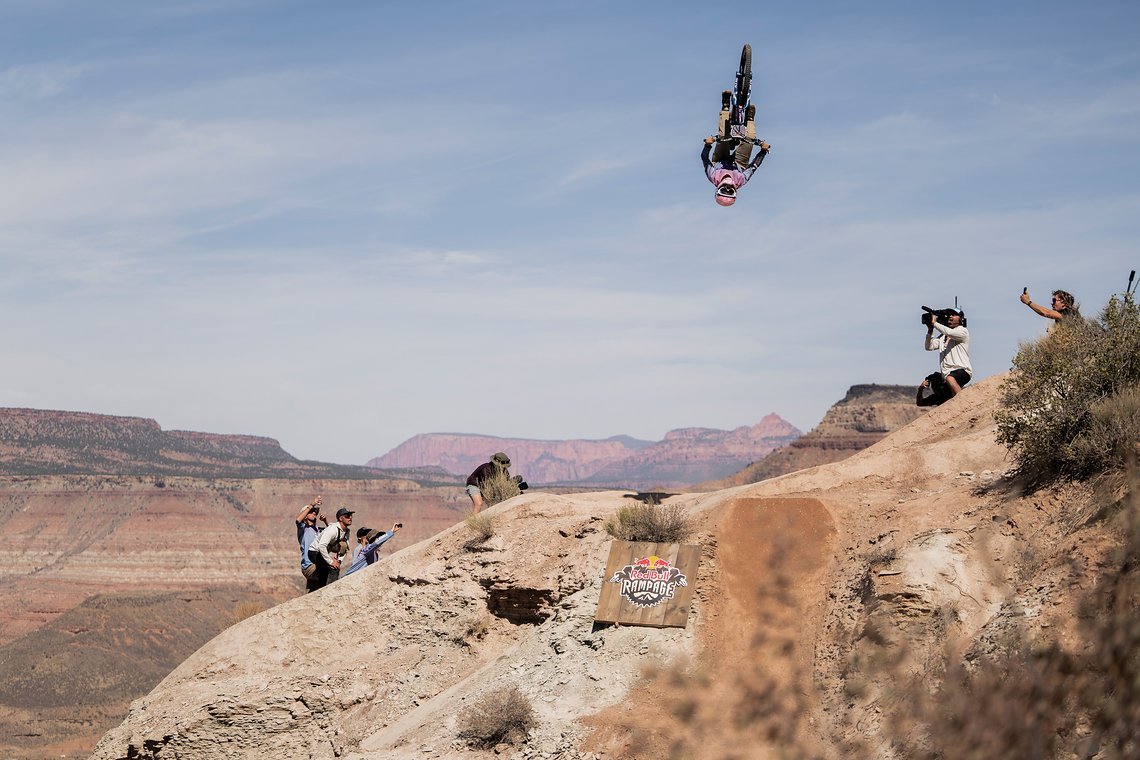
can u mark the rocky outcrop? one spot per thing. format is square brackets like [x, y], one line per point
[683, 457]
[41, 442]
[861, 418]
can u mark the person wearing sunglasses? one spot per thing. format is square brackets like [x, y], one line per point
[728, 166]
[1063, 306]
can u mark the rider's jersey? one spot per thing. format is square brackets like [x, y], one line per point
[716, 172]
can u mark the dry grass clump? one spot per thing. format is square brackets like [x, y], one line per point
[481, 525]
[655, 524]
[245, 610]
[1069, 408]
[499, 487]
[502, 715]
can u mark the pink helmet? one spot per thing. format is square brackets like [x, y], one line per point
[726, 193]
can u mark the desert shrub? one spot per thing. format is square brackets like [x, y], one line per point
[656, 524]
[481, 524]
[477, 628]
[1113, 431]
[499, 487]
[1049, 403]
[244, 610]
[502, 715]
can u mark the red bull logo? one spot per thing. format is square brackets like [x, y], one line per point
[649, 581]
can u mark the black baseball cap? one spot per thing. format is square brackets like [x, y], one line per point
[342, 512]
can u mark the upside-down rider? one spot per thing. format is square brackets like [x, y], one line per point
[728, 167]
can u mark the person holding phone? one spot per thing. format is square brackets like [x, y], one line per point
[367, 555]
[1063, 306]
[307, 532]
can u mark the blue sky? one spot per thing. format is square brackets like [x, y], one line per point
[341, 224]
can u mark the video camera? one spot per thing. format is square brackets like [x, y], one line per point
[522, 484]
[930, 316]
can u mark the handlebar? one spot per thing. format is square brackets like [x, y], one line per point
[749, 140]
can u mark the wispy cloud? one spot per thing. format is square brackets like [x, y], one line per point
[40, 81]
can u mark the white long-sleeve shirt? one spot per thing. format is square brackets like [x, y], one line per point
[953, 348]
[330, 534]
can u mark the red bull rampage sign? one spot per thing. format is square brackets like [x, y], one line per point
[648, 584]
[649, 581]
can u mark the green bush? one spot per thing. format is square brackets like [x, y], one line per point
[1050, 402]
[502, 715]
[645, 522]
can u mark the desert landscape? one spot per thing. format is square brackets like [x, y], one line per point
[917, 549]
[834, 306]
[119, 577]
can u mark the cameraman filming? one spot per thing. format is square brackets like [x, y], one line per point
[952, 345]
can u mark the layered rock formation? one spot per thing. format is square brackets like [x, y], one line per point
[692, 455]
[36, 441]
[861, 418]
[683, 457]
[540, 461]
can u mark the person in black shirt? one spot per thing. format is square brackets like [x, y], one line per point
[484, 472]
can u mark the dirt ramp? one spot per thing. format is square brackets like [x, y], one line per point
[749, 694]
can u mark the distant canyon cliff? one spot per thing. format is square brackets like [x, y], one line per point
[864, 416]
[45, 442]
[685, 456]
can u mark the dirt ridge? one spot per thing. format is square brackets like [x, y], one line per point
[915, 539]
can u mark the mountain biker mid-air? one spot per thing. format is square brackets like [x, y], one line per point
[729, 168]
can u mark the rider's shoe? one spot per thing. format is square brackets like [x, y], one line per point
[725, 100]
[750, 113]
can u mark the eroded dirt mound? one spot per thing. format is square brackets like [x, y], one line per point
[808, 583]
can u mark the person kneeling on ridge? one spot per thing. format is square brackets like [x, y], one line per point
[954, 369]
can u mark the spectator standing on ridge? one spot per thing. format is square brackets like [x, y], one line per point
[325, 551]
[954, 369]
[1063, 303]
[367, 554]
[307, 531]
[484, 472]
[361, 534]
[728, 168]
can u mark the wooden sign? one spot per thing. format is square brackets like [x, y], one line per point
[648, 584]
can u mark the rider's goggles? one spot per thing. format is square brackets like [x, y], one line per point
[726, 190]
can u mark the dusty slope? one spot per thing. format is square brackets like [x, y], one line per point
[72, 538]
[907, 538]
